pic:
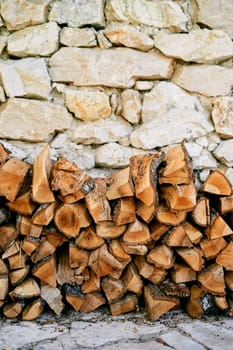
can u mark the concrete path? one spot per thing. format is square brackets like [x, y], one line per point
[73, 331]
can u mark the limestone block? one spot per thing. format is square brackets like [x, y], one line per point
[101, 131]
[88, 105]
[209, 80]
[77, 13]
[78, 37]
[127, 35]
[204, 160]
[131, 105]
[222, 115]
[113, 155]
[3, 42]
[103, 42]
[31, 120]
[41, 40]
[116, 67]
[216, 14]
[200, 45]
[143, 85]
[2, 95]
[166, 120]
[27, 77]
[19, 14]
[161, 14]
[224, 152]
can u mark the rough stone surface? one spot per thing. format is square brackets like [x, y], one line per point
[161, 14]
[127, 35]
[77, 13]
[19, 14]
[204, 160]
[27, 77]
[222, 115]
[16, 120]
[216, 14]
[78, 37]
[88, 105]
[113, 155]
[103, 42]
[3, 42]
[167, 121]
[143, 85]
[179, 342]
[118, 67]
[101, 131]
[2, 95]
[209, 80]
[41, 40]
[131, 105]
[200, 45]
[224, 152]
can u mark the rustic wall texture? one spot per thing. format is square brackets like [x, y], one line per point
[104, 80]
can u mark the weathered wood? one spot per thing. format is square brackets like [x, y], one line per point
[29, 244]
[154, 274]
[212, 279]
[53, 298]
[66, 274]
[44, 214]
[29, 288]
[162, 256]
[92, 301]
[192, 257]
[194, 305]
[225, 204]
[19, 275]
[17, 261]
[124, 211]
[23, 204]
[180, 197]
[13, 309]
[178, 168]
[127, 303]
[41, 191]
[211, 248]
[172, 289]
[8, 234]
[12, 175]
[120, 185]
[177, 238]
[44, 249]
[143, 168]
[74, 296]
[132, 280]
[165, 216]
[3, 267]
[46, 270]
[12, 249]
[136, 233]
[67, 220]
[157, 303]
[201, 212]
[33, 310]
[27, 228]
[78, 258]
[218, 228]
[113, 289]
[218, 184]
[88, 239]
[132, 249]
[55, 238]
[108, 230]
[92, 284]
[181, 273]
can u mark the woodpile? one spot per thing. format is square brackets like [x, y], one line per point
[143, 237]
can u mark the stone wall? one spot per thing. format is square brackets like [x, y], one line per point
[104, 80]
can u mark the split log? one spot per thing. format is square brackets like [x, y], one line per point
[108, 230]
[201, 212]
[13, 309]
[132, 280]
[92, 284]
[192, 232]
[32, 310]
[102, 262]
[88, 239]
[211, 248]
[132, 249]
[27, 228]
[218, 184]
[12, 249]
[194, 304]
[229, 279]
[4, 155]
[44, 214]
[212, 279]
[66, 274]
[46, 270]
[167, 217]
[3, 267]
[4, 286]
[172, 289]
[143, 169]
[161, 256]
[53, 298]
[225, 257]
[177, 238]
[124, 211]
[67, 220]
[8, 234]
[145, 212]
[157, 230]
[136, 233]
[44, 249]
[92, 301]
[12, 174]
[120, 185]
[157, 303]
[181, 273]
[28, 289]
[19, 275]
[179, 197]
[178, 168]
[192, 257]
[153, 274]
[116, 249]
[55, 238]
[41, 191]
[17, 261]
[225, 204]
[218, 228]
[127, 303]
[113, 289]
[221, 303]
[30, 244]
[23, 204]
[74, 296]
[78, 258]
[97, 202]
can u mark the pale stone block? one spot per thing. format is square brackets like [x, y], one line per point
[222, 115]
[215, 14]
[19, 14]
[161, 14]
[2, 95]
[193, 149]
[101, 131]
[103, 42]
[113, 155]
[209, 80]
[77, 13]
[88, 105]
[143, 85]
[41, 40]
[224, 152]
[3, 42]
[166, 120]
[31, 120]
[78, 37]
[200, 45]
[131, 106]
[27, 77]
[117, 67]
[127, 35]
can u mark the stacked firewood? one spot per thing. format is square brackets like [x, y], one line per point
[141, 237]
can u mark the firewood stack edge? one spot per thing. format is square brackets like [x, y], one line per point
[144, 237]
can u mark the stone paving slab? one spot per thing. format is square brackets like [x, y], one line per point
[97, 330]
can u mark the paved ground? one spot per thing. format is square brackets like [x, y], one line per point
[73, 331]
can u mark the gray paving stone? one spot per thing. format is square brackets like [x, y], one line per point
[180, 341]
[213, 336]
[150, 345]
